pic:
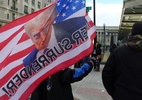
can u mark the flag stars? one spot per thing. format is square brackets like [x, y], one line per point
[67, 7]
[63, 14]
[64, 5]
[58, 4]
[76, 1]
[73, 8]
[83, 2]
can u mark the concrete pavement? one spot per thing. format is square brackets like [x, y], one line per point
[91, 87]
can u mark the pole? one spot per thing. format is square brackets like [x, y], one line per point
[94, 16]
[94, 11]
[104, 38]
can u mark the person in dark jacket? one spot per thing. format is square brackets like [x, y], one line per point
[58, 86]
[98, 54]
[123, 70]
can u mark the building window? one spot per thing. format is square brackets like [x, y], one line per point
[45, 5]
[8, 2]
[7, 16]
[33, 2]
[39, 5]
[26, 9]
[13, 16]
[32, 10]
[13, 7]
[26, 1]
[49, 1]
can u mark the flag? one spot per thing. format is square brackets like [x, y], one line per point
[24, 63]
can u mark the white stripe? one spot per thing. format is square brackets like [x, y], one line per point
[88, 18]
[92, 30]
[11, 44]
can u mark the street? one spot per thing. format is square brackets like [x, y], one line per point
[91, 87]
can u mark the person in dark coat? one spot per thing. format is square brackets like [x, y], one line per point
[99, 56]
[58, 86]
[122, 73]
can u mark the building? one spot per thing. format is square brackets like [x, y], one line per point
[106, 35]
[131, 13]
[13, 9]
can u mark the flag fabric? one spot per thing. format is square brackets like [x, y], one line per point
[24, 63]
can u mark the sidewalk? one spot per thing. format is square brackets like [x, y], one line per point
[91, 87]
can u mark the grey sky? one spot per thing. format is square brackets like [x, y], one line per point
[108, 12]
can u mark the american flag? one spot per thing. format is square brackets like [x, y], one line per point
[16, 45]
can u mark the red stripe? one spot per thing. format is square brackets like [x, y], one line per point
[91, 23]
[4, 97]
[24, 38]
[93, 36]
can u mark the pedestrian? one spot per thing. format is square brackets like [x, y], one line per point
[122, 73]
[58, 86]
[94, 56]
[99, 56]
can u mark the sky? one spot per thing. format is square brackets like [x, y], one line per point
[108, 12]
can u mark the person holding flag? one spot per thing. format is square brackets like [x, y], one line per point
[58, 86]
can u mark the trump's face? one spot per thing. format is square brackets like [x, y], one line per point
[39, 29]
[40, 35]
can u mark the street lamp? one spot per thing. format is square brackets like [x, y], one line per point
[94, 9]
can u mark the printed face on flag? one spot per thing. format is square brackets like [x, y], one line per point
[39, 29]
